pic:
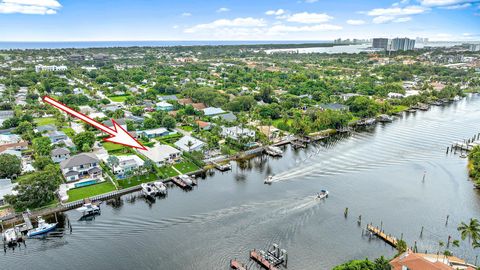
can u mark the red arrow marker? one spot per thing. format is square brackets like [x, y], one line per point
[118, 135]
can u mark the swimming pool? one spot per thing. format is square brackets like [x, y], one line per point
[86, 183]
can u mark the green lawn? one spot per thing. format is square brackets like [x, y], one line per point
[113, 147]
[167, 171]
[118, 98]
[69, 132]
[133, 181]
[169, 139]
[186, 167]
[45, 121]
[89, 191]
[187, 128]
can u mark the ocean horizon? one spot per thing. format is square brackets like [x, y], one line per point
[8, 45]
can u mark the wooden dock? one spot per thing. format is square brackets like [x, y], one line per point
[180, 183]
[391, 240]
[234, 264]
[261, 260]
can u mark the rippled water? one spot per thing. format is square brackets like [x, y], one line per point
[375, 173]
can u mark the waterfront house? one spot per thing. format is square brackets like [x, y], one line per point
[81, 166]
[270, 131]
[237, 132]
[189, 144]
[57, 136]
[421, 261]
[152, 133]
[125, 164]
[164, 106]
[6, 188]
[60, 154]
[161, 154]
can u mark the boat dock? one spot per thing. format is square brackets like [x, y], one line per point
[256, 256]
[391, 240]
[234, 264]
[222, 167]
[180, 183]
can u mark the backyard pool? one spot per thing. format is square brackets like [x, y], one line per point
[86, 183]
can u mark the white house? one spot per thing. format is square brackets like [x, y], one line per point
[183, 144]
[126, 164]
[40, 68]
[237, 132]
[81, 166]
[161, 154]
[60, 154]
[213, 111]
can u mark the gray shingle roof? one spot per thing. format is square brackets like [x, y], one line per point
[60, 151]
[80, 159]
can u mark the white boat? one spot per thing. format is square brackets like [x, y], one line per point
[185, 178]
[162, 189]
[269, 179]
[42, 227]
[89, 209]
[274, 151]
[323, 194]
[10, 236]
[148, 190]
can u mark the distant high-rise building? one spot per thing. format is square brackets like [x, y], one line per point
[421, 40]
[380, 43]
[402, 44]
[474, 47]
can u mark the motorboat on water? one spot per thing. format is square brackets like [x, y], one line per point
[268, 180]
[322, 194]
[89, 209]
[162, 189]
[185, 178]
[148, 190]
[10, 236]
[42, 227]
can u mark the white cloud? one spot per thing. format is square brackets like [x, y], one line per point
[277, 12]
[225, 23]
[439, 3]
[356, 22]
[459, 6]
[223, 9]
[41, 7]
[186, 14]
[397, 11]
[388, 19]
[306, 17]
[311, 1]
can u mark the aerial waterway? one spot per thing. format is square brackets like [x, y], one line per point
[377, 173]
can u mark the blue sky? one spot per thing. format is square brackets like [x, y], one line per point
[111, 20]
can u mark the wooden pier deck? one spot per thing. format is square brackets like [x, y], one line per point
[391, 240]
[180, 183]
[234, 264]
[261, 260]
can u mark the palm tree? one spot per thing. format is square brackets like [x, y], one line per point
[189, 145]
[470, 230]
[113, 161]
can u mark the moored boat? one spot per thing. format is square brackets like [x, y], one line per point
[42, 228]
[148, 191]
[10, 236]
[162, 189]
[89, 209]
